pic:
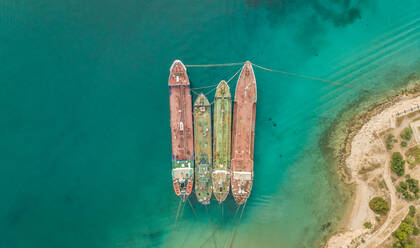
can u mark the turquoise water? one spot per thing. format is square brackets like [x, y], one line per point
[84, 124]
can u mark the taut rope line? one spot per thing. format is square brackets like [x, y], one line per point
[213, 85]
[217, 65]
[313, 78]
[177, 212]
[237, 226]
[230, 79]
[210, 91]
[283, 72]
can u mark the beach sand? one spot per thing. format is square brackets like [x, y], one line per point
[367, 149]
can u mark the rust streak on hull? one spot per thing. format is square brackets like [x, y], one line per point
[243, 132]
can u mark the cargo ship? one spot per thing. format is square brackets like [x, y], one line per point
[243, 132]
[222, 127]
[202, 149]
[182, 130]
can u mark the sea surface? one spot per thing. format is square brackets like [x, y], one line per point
[85, 152]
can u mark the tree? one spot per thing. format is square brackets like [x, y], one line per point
[407, 228]
[400, 235]
[379, 205]
[397, 163]
[413, 185]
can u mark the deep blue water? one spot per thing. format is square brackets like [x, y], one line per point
[84, 114]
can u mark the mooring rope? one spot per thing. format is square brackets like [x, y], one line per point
[192, 208]
[210, 91]
[217, 65]
[205, 87]
[237, 226]
[177, 212]
[210, 86]
[229, 238]
[234, 75]
[312, 78]
[222, 208]
[285, 73]
[182, 210]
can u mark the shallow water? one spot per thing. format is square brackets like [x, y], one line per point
[84, 131]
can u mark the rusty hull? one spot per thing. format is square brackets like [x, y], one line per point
[243, 132]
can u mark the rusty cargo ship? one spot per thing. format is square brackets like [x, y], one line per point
[202, 149]
[243, 132]
[222, 125]
[181, 130]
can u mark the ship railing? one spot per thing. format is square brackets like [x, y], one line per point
[242, 175]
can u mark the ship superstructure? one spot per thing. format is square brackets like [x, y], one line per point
[181, 130]
[202, 149]
[222, 125]
[243, 132]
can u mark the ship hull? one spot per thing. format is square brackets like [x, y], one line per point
[243, 132]
[222, 124]
[203, 149]
[181, 130]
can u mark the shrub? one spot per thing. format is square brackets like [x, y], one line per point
[368, 169]
[407, 133]
[367, 224]
[413, 185]
[403, 144]
[389, 140]
[412, 211]
[407, 228]
[402, 234]
[415, 152]
[409, 188]
[409, 220]
[397, 163]
[416, 231]
[411, 160]
[379, 205]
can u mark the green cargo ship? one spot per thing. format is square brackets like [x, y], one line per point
[222, 141]
[202, 149]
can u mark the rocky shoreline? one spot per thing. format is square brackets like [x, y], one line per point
[352, 126]
[337, 142]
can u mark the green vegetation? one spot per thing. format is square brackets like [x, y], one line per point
[409, 189]
[370, 168]
[389, 141]
[403, 144]
[402, 236]
[414, 152]
[397, 163]
[411, 161]
[412, 211]
[379, 205]
[407, 133]
[412, 114]
[367, 225]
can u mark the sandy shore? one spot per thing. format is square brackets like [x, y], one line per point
[365, 149]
